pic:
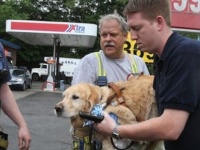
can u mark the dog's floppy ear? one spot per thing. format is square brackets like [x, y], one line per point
[87, 106]
[93, 97]
[104, 94]
[95, 94]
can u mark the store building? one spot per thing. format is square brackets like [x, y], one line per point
[10, 50]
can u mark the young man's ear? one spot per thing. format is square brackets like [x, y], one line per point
[160, 22]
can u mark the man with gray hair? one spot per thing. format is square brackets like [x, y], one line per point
[111, 64]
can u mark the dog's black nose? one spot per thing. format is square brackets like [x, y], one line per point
[59, 110]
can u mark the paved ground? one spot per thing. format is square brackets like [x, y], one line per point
[48, 131]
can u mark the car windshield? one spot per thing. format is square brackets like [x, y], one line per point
[19, 73]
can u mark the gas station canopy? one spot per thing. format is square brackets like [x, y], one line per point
[45, 32]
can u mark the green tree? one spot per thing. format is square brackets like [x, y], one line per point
[8, 11]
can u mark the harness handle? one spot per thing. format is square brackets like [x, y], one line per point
[117, 91]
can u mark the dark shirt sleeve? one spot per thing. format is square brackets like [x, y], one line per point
[3, 65]
[181, 83]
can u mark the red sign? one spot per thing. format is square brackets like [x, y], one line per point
[7, 53]
[185, 14]
[44, 26]
[39, 26]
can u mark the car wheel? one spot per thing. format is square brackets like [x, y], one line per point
[30, 85]
[35, 77]
[23, 87]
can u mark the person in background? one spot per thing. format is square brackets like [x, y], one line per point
[9, 105]
[62, 78]
[176, 82]
[111, 64]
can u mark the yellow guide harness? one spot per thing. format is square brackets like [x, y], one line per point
[102, 80]
[85, 141]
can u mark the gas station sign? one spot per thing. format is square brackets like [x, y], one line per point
[185, 14]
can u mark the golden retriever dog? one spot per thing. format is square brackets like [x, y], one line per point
[131, 101]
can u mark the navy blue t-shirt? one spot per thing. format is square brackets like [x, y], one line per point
[4, 65]
[177, 86]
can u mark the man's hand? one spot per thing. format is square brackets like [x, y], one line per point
[24, 138]
[106, 126]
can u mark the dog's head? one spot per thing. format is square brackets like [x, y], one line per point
[79, 97]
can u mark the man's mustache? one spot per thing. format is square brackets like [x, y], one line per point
[109, 44]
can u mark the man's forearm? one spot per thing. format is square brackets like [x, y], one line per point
[10, 107]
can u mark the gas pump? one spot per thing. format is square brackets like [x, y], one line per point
[50, 84]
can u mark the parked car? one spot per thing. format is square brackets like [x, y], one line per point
[21, 78]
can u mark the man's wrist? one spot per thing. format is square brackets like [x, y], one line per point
[115, 133]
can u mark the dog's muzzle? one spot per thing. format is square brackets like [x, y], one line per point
[59, 110]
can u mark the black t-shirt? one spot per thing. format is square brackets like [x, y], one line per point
[177, 86]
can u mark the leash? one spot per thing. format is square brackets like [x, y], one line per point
[131, 144]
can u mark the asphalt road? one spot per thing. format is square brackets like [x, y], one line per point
[48, 131]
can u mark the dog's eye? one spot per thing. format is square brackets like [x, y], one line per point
[75, 97]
